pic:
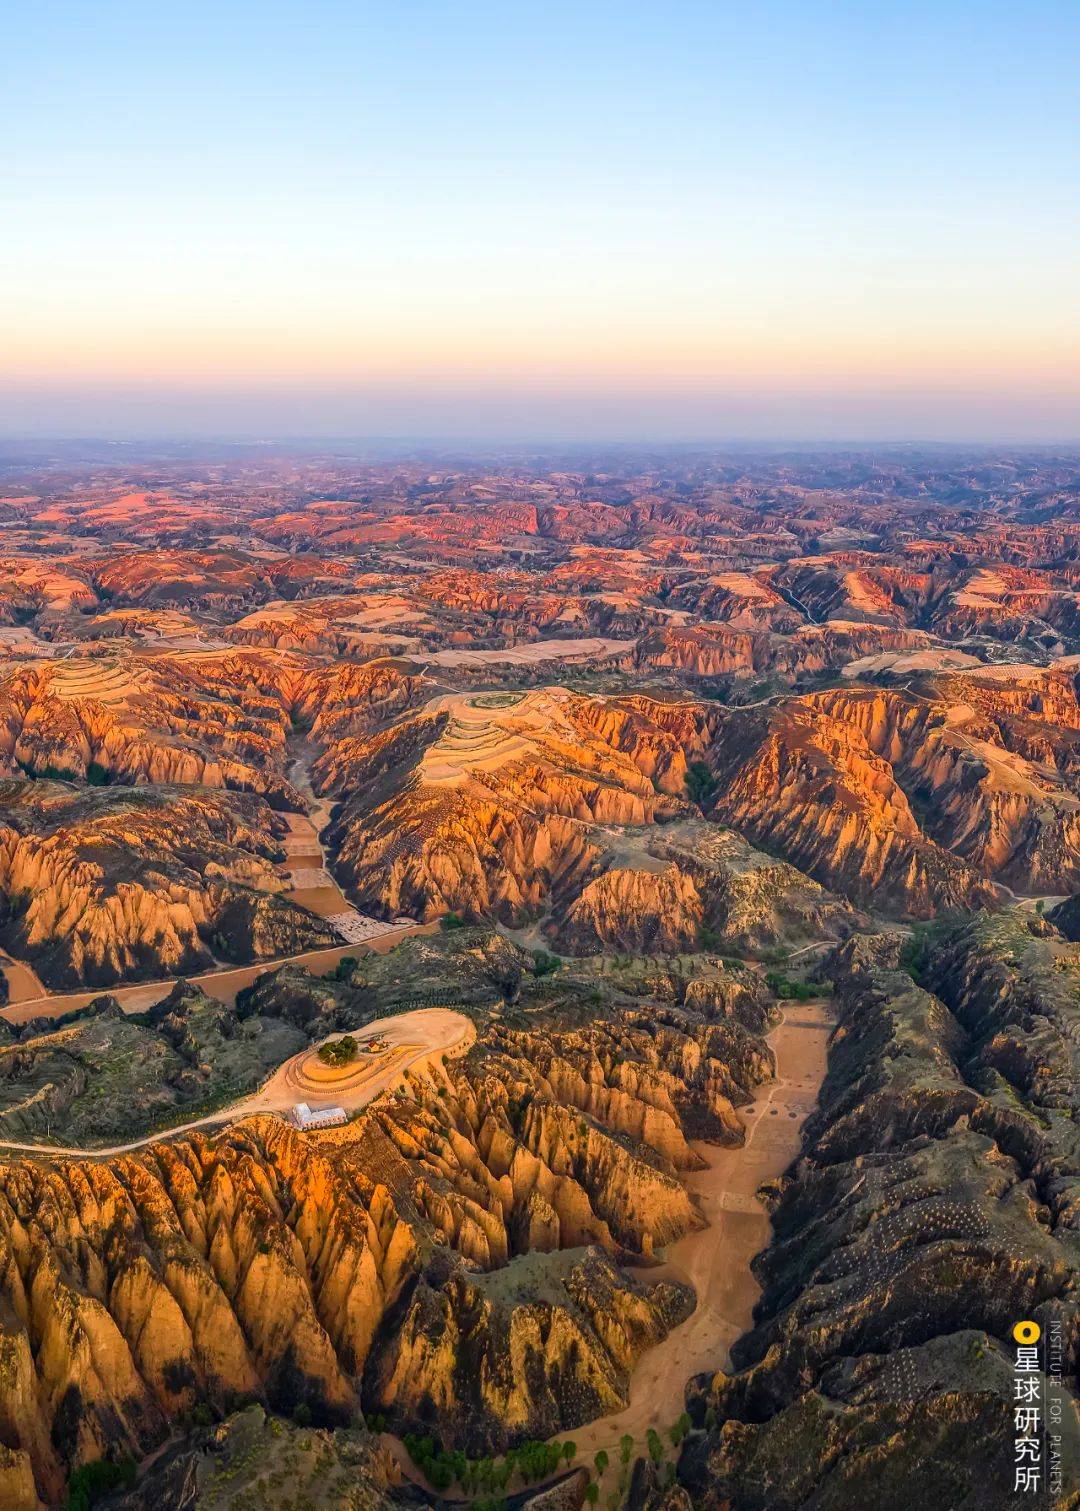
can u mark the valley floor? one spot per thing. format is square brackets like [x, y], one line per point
[716, 1260]
[312, 885]
[223, 985]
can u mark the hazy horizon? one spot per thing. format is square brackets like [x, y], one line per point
[521, 417]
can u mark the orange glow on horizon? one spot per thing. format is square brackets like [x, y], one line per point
[619, 360]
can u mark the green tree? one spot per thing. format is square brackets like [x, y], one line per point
[626, 1447]
[91, 1482]
[601, 1462]
[341, 1051]
[679, 1428]
[544, 963]
[700, 783]
[787, 990]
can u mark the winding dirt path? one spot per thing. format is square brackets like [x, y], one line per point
[223, 985]
[312, 886]
[716, 1260]
[412, 1041]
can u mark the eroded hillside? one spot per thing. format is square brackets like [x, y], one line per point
[662, 750]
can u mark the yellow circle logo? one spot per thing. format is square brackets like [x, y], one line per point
[1027, 1332]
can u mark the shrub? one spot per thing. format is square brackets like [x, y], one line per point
[678, 1429]
[52, 773]
[544, 963]
[451, 921]
[920, 946]
[92, 1482]
[788, 990]
[700, 783]
[341, 1051]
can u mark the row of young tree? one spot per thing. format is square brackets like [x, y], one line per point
[529, 1463]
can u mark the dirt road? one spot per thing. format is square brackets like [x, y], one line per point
[312, 886]
[716, 1261]
[426, 1036]
[223, 985]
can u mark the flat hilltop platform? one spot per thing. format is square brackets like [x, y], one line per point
[406, 1042]
[418, 1040]
[534, 652]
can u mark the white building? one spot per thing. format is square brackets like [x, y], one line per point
[318, 1117]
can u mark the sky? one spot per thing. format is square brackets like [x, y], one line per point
[541, 221]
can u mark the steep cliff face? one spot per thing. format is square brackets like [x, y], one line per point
[468, 1359]
[745, 601]
[659, 738]
[493, 817]
[917, 800]
[448, 1258]
[208, 718]
[963, 763]
[133, 719]
[135, 1289]
[1008, 603]
[641, 911]
[105, 886]
[657, 1076]
[880, 1367]
[719, 651]
[810, 785]
[857, 588]
[424, 853]
[346, 698]
[573, 1138]
[704, 650]
[208, 579]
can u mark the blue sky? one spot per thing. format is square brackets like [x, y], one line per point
[427, 218]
